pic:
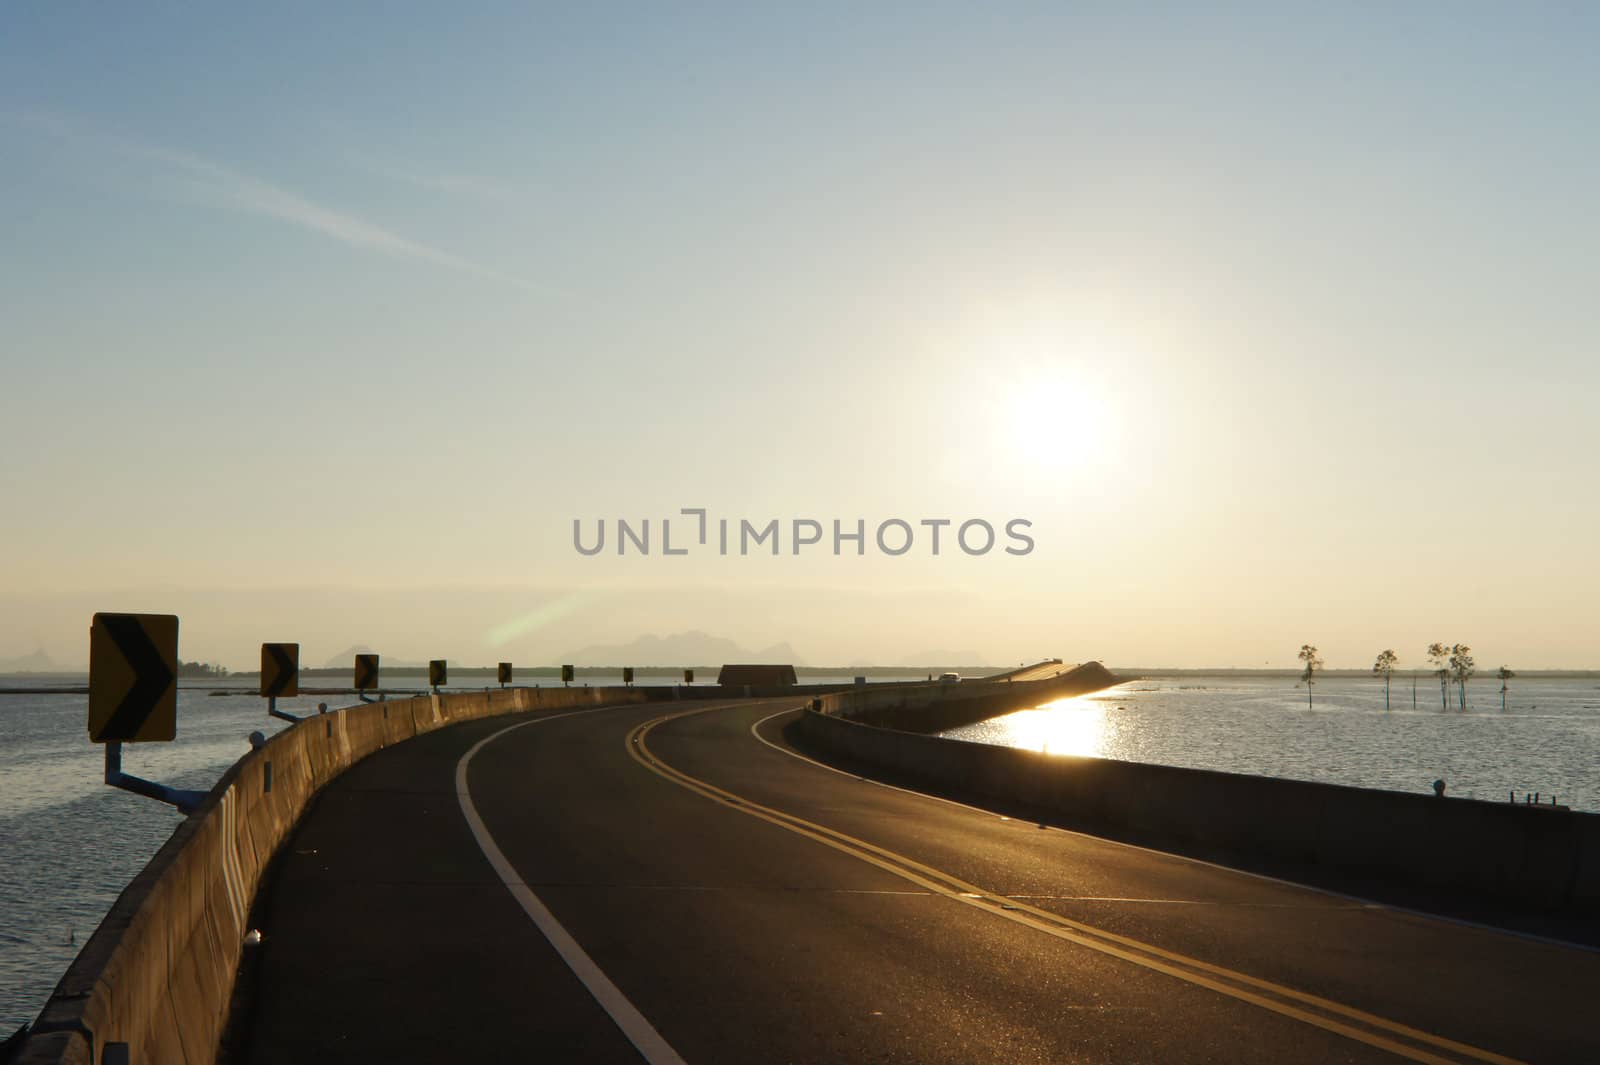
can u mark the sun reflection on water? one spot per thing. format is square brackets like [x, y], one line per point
[1067, 726]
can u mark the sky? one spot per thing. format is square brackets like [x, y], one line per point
[1276, 323]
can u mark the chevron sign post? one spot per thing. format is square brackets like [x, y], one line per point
[280, 670]
[133, 695]
[280, 675]
[133, 673]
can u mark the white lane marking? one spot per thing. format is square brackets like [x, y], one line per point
[1462, 922]
[639, 1031]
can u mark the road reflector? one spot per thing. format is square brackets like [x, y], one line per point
[280, 670]
[503, 673]
[133, 673]
[438, 673]
[366, 672]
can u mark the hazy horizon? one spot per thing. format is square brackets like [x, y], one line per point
[542, 627]
[1277, 327]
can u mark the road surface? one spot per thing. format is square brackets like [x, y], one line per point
[670, 884]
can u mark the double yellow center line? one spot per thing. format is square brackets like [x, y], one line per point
[1375, 1031]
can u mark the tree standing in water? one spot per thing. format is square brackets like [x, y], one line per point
[1384, 667]
[1313, 661]
[1461, 667]
[1437, 653]
[1505, 674]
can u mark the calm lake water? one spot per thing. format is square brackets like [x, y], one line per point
[69, 844]
[1547, 740]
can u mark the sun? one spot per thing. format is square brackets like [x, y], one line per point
[1042, 389]
[1055, 422]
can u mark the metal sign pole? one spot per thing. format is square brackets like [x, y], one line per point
[273, 711]
[184, 800]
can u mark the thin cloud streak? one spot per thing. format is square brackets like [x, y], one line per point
[470, 186]
[214, 183]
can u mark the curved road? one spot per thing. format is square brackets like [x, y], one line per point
[673, 883]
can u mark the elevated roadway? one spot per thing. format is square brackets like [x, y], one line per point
[662, 884]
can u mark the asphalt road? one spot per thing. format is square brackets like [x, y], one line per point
[710, 897]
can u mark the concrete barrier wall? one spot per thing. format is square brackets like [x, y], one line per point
[1505, 851]
[158, 972]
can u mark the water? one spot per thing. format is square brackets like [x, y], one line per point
[1547, 740]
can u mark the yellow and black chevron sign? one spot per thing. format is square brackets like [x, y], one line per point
[688, 676]
[438, 673]
[627, 674]
[280, 670]
[504, 673]
[366, 672]
[567, 673]
[133, 678]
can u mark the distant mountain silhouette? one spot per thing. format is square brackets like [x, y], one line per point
[38, 662]
[693, 648]
[347, 657]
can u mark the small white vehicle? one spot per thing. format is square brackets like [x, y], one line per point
[949, 678]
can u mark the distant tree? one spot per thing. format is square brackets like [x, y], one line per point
[1308, 655]
[1437, 655]
[1461, 667]
[1505, 674]
[1384, 667]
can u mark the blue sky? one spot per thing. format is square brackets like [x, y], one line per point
[1295, 306]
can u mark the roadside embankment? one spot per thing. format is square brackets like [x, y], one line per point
[1541, 858]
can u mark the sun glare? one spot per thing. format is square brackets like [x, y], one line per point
[1054, 423]
[1066, 726]
[1046, 392]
